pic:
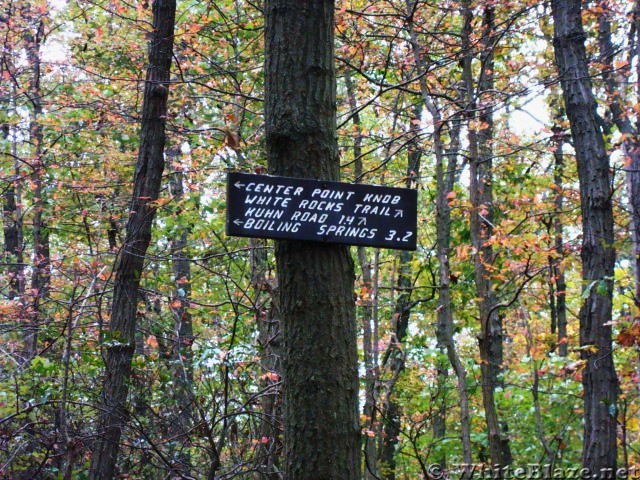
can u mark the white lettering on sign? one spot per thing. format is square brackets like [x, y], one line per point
[375, 198]
[309, 217]
[271, 225]
[288, 227]
[320, 205]
[263, 213]
[331, 194]
[267, 200]
[347, 231]
[277, 189]
[372, 210]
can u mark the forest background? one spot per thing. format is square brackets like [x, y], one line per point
[469, 348]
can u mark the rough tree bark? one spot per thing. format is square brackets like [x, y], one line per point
[320, 376]
[598, 255]
[120, 343]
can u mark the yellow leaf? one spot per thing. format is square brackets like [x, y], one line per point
[161, 202]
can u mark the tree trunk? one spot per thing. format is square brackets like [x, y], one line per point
[557, 283]
[598, 255]
[13, 235]
[120, 343]
[182, 354]
[320, 374]
[368, 311]
[12, 255]
[613, 80]
[632, 149]
[394, 362]
[394, 358]
[369, 344]
[42, 261]
[267, 314]
[481, 225]
[446, 174]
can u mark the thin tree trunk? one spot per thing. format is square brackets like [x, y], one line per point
[13, 234]
[557, 282]
[490, 337]
[632, 149]
[182, 354]
[320, 373]
[368, 309]
[613, 80]
[11, 210]
[120, 343]
[394, 362]
[269, 456]
[598, 255]
[369, 409]
[42, 261]
[535, 394]
[446, 174]
[394, 358]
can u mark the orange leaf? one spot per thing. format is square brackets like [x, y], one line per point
[152, 341]
[618, 64]
[274, 377]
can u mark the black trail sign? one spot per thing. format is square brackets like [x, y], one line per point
[264, 206]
